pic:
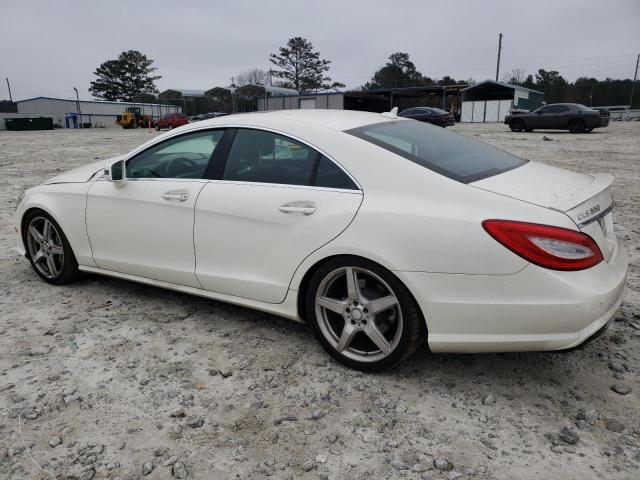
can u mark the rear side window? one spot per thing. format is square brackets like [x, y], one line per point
[265, 157]
[329, 175]
[450, 154]
[259, 156]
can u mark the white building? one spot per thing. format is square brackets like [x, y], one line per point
[66, 114]
[490, 101]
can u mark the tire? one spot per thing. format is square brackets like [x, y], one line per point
[576, 126]
[57, 263]
[374, 340]
[516, 125]
[157, 128]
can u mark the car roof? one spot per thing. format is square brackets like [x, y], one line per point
[332, 119]
[565, 104]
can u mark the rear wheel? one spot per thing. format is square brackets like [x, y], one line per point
[516, 125]
[49, 251]
[362, 314]
[576, 126]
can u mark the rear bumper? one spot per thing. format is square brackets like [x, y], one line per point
[533, 310]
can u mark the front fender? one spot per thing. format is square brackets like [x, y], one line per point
[66, 203]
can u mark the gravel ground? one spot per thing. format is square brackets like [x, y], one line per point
[110, 379]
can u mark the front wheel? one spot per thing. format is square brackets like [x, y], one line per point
[49, 251]
[362, 315]
[516, 125]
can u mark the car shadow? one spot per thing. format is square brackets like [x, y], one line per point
[453, 372]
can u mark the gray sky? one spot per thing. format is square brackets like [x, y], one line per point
[48, 47]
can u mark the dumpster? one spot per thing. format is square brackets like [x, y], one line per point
[35, 123]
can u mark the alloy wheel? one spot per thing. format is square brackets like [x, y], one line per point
[359, 314]
[45, 247]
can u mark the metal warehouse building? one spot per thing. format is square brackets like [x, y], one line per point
[377, 100]
[65, 112]
[490, 101]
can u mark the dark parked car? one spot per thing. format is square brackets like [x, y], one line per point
[171, 120]
[558, 116]
[429, 115]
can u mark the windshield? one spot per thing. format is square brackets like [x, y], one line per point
[450, 154]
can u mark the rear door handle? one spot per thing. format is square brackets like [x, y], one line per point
[180, 195]
[305, 208]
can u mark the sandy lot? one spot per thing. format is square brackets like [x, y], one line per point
[110, 379]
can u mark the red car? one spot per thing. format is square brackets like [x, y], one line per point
[171, 120]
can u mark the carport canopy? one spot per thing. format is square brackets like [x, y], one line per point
[492, 90]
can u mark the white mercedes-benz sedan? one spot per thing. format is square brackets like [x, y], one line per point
[380, 232]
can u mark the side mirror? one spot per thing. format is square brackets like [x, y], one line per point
[117, 172]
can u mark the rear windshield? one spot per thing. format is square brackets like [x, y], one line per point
[450, 154]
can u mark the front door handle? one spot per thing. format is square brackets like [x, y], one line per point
[305, 208]
[181, 195]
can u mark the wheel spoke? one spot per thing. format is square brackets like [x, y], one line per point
[51, 265]
[332, 304]
[376, 337]
[348, 332]
[380, 304]
[46, 230]
[35, 234]
[352, 284]
[56, 249]
[38, 256]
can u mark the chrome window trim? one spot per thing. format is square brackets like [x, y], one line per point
[288, 185]
[254, 127]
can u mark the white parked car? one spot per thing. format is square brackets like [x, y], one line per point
[378, 231]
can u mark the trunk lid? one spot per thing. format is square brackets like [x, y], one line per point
[586, 199]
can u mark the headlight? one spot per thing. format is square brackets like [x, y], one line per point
[20, 197]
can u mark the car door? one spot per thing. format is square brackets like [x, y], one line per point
[546, 117]
[143, 225]
[273, 201]
[563, 115]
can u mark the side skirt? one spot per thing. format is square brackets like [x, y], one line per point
[288, 308]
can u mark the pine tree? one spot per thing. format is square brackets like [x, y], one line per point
[301, 67]
[125, 77]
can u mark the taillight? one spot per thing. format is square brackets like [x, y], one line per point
[549, 247]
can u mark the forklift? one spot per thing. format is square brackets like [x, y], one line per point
[133, 118]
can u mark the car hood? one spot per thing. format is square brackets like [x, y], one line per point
[84, 173]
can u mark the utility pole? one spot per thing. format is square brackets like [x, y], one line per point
[633, 85]
[9, 87]
[78, 104]
[499, 50]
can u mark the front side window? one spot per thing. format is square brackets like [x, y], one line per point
[450, 154]
[265, 157]
[186, 156]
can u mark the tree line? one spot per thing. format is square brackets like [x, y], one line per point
[298, 66]
[586, 90]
